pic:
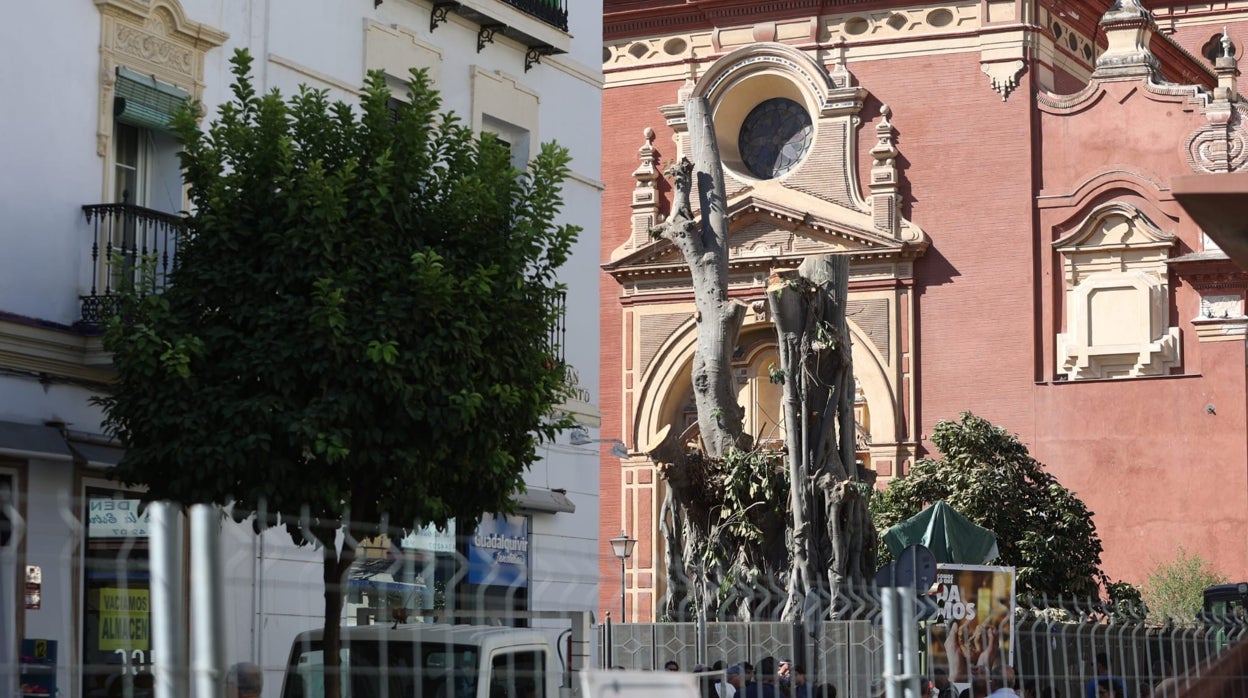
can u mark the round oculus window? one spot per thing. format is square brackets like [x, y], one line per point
[774, 137]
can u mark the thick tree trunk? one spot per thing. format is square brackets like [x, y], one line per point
[704, 246]
[816, 364]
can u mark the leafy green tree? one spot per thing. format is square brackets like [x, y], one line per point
[987, 474]
[357, 327]
[1174, 590]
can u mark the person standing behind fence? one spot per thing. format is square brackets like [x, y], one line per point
[764, 684]
[1103, 673]
[940, 679]
[731, 685]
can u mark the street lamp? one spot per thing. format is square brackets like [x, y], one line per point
[622, 546]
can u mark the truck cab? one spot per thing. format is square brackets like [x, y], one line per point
[426, 660]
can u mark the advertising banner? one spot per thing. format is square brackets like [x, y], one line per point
[498, 554]
[125, 619]
[975, 626]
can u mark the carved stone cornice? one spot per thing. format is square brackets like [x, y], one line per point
[53, 351]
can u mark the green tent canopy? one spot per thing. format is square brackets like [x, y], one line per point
[952, 538]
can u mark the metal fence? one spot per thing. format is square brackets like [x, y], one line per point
[1053, 647]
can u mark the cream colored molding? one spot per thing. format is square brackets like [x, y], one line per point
[1117, 297]
[153, 37]
[396, 50]
[1209, 329]
[1171, 19]
[315, 75]
[1003, 75]
[898, 23]
[501, 96]
[859, 36]
[57, 353]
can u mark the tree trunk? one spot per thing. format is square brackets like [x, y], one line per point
[816, 371]
[704, 247]
[334, 568]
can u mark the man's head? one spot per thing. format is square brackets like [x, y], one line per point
[799, 675]
[981, 680]
[671, 665]
[244, 680]
[767, 670]
[940, 677]
[735, 674]
[1102, 663]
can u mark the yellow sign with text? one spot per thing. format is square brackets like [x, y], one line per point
[125, 619]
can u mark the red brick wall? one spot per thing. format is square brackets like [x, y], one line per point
[626, 112]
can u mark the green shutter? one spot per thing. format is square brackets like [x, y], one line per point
[144, 101]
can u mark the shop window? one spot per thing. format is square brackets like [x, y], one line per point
[116, 619]
[1117, 297]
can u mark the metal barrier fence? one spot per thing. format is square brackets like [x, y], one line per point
[1053, 647]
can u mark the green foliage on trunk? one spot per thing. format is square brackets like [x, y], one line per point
[987, 474]
[358, 323]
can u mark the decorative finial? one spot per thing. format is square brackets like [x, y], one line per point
[648, 133]
[1228, 48]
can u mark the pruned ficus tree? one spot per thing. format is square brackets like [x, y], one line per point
[357, 327]
[738, 519]
[832, 540]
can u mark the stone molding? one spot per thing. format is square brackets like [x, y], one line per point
[1117, 297]
[153, 37]
[57, 353]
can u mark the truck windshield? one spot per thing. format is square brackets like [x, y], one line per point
[395, 669]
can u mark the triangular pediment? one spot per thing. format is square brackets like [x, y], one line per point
[762, 228]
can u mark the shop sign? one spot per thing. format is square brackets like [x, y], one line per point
[125, 619]
[976, 618]
[498, 554]
[116, 518]
[429, 539]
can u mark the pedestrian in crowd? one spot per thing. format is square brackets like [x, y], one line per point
[784, 678]
[244, 680]
[1001, 682]
[800, 689]
[1107, 688]
[764, 680]
[671, 665]
[981, 683]
[940, 678]
[824, 690]
[1103, 672]
[734, 677]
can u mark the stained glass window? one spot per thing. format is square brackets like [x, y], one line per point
[774, 138]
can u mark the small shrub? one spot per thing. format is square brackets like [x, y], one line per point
[1174, 589]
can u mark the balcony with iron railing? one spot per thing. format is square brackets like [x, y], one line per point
[125, 238]
[541, 26]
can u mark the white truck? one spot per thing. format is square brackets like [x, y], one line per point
[427, 660]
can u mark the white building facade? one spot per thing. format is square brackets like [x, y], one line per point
[89, 166]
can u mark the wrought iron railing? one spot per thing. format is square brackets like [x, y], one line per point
[559, 329]
[552, 12]
[125, 237]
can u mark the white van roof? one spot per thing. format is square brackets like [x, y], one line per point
[484, 636]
